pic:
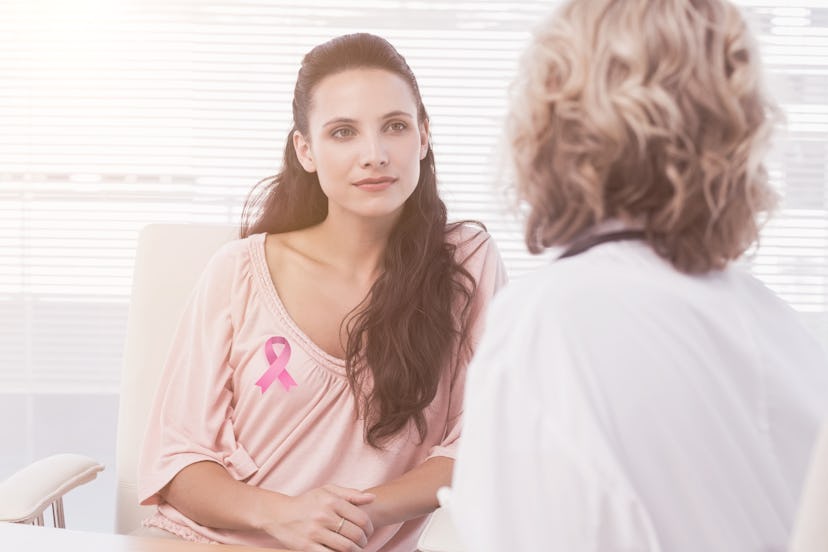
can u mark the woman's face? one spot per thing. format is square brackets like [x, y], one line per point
[364, 142]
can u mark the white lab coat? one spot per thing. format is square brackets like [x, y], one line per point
[616, 404]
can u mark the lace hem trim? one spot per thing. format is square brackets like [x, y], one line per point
[166, 524]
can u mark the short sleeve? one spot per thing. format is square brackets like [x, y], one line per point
[191, 417]
[479, 255]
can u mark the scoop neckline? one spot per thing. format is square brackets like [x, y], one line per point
[258, 255]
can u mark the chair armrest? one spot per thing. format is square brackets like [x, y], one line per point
[28, 492]
[439, 534]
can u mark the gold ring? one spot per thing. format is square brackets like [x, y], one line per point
[341, 523]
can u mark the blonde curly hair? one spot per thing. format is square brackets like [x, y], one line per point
[644, 110]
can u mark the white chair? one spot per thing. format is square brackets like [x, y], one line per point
[168, 261]
[810, 532]
[26, 495]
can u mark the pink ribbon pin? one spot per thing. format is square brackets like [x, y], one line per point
[278, 364]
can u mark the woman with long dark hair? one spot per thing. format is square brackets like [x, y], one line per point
[313, 395]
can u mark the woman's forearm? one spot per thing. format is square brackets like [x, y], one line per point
[411, 495]
[207, 494]
[314, 520]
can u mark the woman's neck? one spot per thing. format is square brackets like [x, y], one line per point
[353, 246]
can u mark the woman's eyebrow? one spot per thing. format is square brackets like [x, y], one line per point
[398, 113]
[340, 120]
[350, 121]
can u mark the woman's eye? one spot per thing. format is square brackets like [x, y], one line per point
[397, 126]
[342, 133]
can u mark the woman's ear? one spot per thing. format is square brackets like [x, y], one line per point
[303, 152]
[424, 137]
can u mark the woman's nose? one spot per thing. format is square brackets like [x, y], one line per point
[374, 153]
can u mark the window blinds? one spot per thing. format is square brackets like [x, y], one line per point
[118, 113]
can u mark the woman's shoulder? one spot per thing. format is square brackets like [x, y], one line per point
[468, 238]
[233, 258]
[235, 249]
[476, 251]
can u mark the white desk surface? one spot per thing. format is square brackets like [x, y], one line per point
[28, 538]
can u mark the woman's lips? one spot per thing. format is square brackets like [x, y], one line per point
[375, 184]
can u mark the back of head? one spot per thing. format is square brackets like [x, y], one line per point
[650, 111]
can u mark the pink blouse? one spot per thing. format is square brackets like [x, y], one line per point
[226, 396]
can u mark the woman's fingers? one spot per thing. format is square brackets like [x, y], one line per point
[339, 537]
[351, 495]
[353, 533]
[325, 519]
[344, 541]
[356, 518]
